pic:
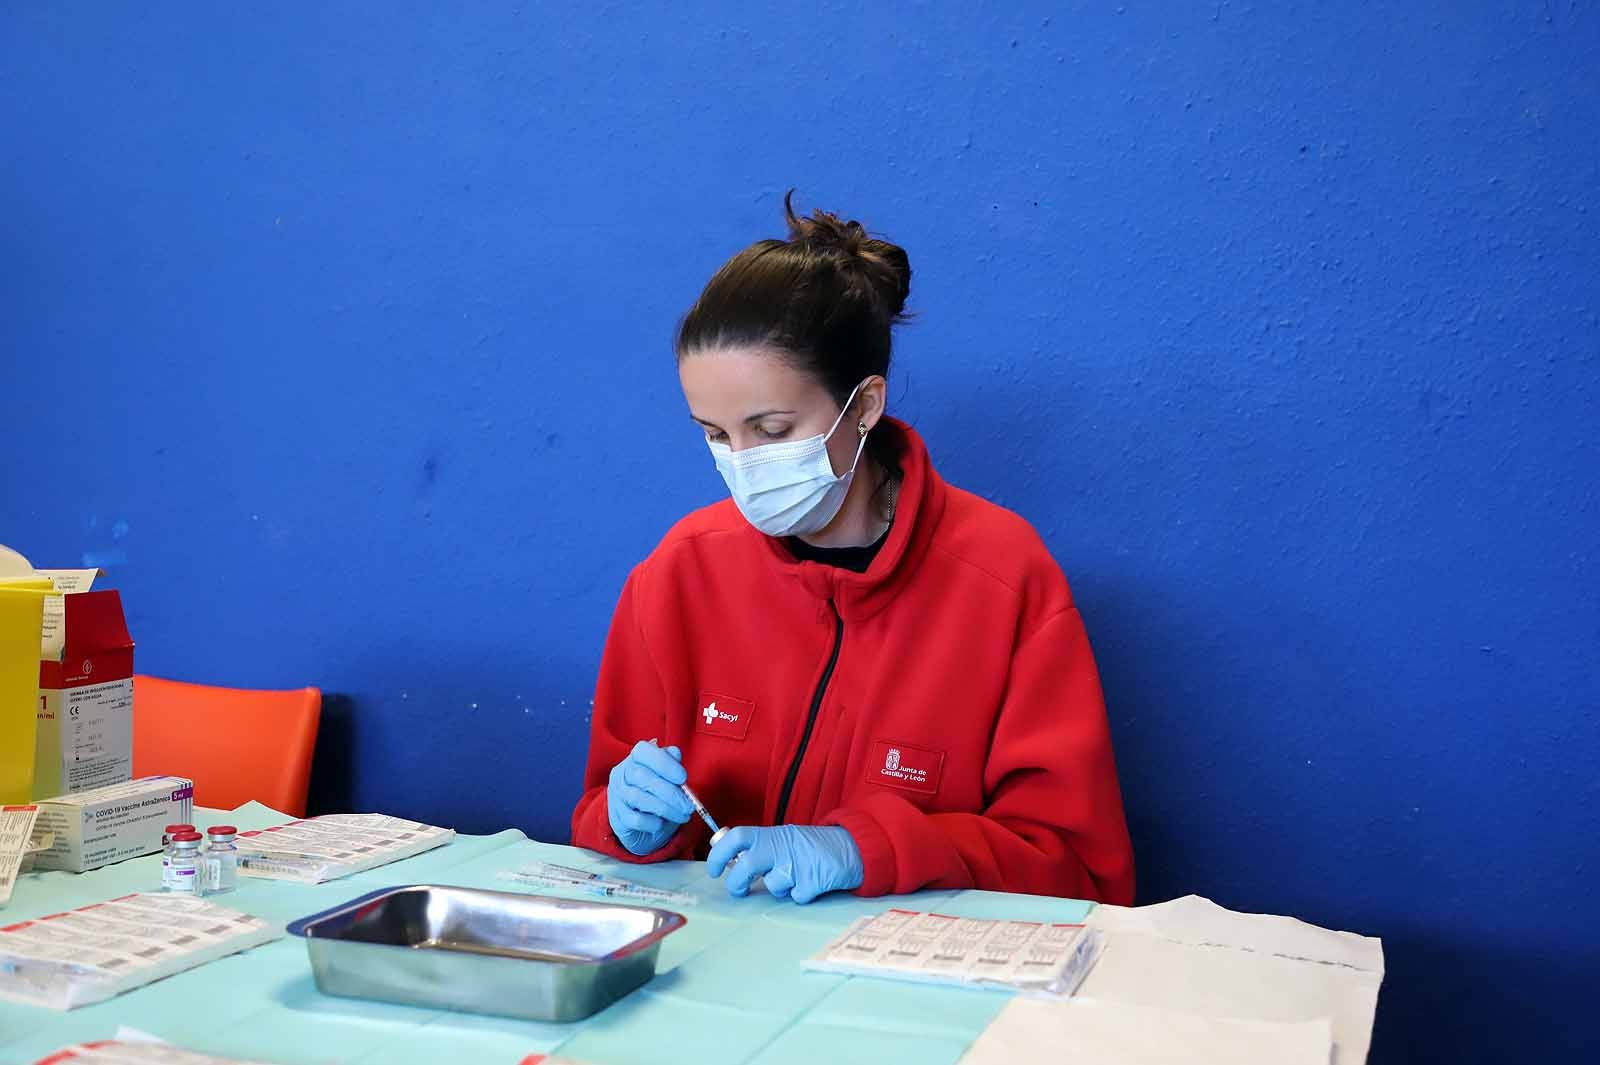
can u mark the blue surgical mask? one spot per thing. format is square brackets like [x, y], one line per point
[788, 488]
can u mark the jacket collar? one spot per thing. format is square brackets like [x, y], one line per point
[918, 509]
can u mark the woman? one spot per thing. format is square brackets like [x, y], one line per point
[881, 678]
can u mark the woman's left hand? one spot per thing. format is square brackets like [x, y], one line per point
[799, 862]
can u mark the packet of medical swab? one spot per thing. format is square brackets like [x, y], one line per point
[584, 882]
[1032, 956]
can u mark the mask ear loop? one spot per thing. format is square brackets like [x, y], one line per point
[862, 445]
[840, 418]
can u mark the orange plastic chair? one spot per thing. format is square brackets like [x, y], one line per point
[235, 745]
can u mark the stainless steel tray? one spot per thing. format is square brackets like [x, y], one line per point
[529, 956]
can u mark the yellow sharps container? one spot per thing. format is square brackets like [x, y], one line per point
[21, 624]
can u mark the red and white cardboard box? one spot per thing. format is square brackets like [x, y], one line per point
[85, 728]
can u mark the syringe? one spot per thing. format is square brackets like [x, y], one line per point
[717, 832]
[700, 808]
[598, 886]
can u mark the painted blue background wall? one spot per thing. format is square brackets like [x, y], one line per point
[341, 337]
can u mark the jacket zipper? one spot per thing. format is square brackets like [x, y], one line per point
[811, 718]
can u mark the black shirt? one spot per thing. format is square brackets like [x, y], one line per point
[856, 559]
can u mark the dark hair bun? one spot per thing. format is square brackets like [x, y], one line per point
[885, 266]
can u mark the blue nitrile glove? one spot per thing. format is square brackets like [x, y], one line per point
[643, 799]
[799, 862]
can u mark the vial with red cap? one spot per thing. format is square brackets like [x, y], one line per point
[183, 863]
[221, 860]
[166, 856]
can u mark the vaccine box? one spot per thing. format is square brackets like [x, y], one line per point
[105, 825]
[84, 737]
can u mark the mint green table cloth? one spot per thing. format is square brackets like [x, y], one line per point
[729, 987]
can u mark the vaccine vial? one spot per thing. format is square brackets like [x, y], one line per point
[166, 852]
[759, 883]
[184, 863]
[221, 860]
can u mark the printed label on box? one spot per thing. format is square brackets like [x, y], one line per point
[105, 825]
[84, 732]
[97, 728]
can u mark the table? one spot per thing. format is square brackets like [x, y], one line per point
[729, 986]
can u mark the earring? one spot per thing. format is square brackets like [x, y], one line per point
[861, 427]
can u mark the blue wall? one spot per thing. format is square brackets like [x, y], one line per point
[341, 338]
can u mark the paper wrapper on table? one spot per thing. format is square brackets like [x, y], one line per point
[1083, 1030]
[41, 842]
[335, 845]
[118, 1052]
[1033, 956]
[110, 824]
[115, 1052]
[21, 628]
[83, 736]
[92, 953]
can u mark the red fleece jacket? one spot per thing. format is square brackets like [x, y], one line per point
[943, 706]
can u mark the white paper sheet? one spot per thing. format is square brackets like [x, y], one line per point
[1081, 1031]
[67, 582]
[1200, 921]
[1194, 956]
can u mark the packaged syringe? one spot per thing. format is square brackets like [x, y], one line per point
[87, 955]
[334, 846]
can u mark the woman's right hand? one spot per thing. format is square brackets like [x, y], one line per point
[644, 800]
